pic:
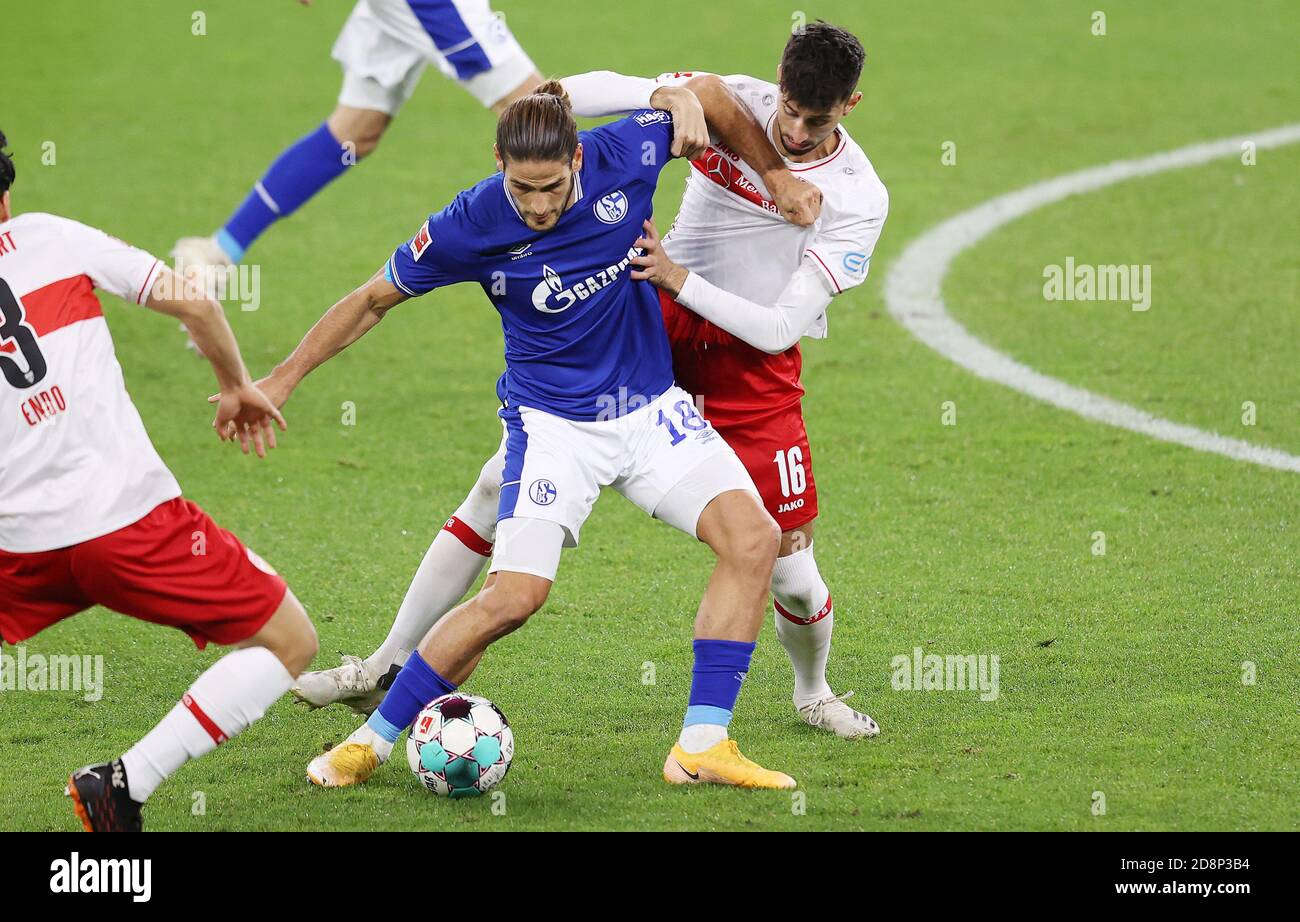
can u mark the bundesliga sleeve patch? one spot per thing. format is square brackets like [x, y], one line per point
[420, 242]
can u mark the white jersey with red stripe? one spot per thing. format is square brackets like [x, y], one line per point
[75, 461]
[730, 231]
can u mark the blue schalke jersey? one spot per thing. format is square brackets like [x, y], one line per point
[583, 340]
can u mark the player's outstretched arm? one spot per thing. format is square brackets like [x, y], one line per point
[770, 328]
[604, 92]
[341, 326]
[731, 122]
[243, 412]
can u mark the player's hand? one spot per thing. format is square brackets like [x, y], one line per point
[800, 202]
[690, 129]
[655, 266]
[248, 416]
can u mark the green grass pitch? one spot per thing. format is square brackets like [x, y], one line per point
[1120, 674]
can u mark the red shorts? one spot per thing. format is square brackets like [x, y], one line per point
[175, 567]
[755, 401]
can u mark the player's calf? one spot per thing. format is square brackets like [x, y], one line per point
[805, 620]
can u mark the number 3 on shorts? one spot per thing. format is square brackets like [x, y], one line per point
[790, 466]
[690, 419]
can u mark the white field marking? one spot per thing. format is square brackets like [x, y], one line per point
[914, 295]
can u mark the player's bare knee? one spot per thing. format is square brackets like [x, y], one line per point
[360, 130]
[509, 605]
[293, 639]
[752, 540]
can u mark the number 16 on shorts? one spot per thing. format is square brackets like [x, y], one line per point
[789, 466]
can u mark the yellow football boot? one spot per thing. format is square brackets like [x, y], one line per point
[344, 765]
[721, 764]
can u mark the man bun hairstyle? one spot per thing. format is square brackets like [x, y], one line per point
[821, 65]
[6, 166]
[539, 126]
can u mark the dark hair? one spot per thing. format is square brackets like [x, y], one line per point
[6, 166]
[821, 65]
[539, 126]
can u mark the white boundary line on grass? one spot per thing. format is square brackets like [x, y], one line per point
[914, 295]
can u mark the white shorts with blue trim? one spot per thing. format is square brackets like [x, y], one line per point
[386, 44]
[555, 467]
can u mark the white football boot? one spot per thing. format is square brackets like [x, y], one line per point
[831, 713]
[352, 684]
[199, 259]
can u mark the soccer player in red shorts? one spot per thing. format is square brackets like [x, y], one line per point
[90, 515]
[736, 348]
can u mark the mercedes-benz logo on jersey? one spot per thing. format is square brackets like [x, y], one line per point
[611, 208]
[714, 165]
[543, 492]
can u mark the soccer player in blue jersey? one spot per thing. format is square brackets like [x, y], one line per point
[588, 401]
[383, 49]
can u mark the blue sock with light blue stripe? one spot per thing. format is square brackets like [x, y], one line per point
[304, 168]
[720, 668]
[415, 686]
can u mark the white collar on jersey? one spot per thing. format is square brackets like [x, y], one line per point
[577, 194]
[795, 167]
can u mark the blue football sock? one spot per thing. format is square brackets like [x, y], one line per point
[415, 686]
[305, 168]
[720, 667]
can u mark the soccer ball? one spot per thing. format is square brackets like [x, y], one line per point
[460, 745]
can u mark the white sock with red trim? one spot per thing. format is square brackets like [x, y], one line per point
[450, 567]
[804, 622]
[234, 692]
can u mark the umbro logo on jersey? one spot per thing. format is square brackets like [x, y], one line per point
[520, 252]
[611, 208]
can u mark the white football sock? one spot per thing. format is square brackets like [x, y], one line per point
[368, 737]
[699, 737]
[804, 621]
[450, 567]
[235, 691]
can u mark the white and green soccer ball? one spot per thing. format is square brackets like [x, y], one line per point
[460, 745]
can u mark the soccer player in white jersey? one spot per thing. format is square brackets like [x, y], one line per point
[384, 48]
[90, 515]
[756, 285]
[781, 277]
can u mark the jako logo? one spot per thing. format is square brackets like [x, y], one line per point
[103, 875]
[611, 208]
